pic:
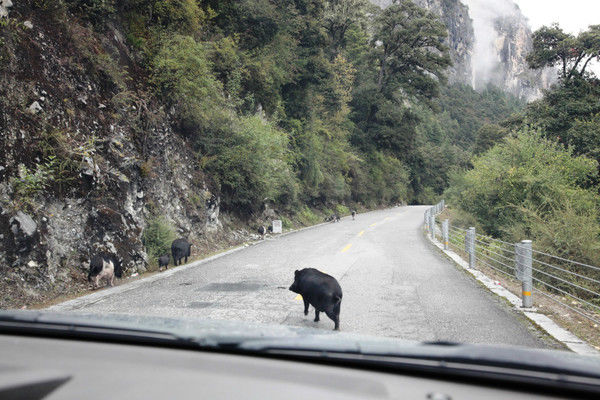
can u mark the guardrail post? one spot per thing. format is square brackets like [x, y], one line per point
[523, 271]
[445, 233]
[470, 246]
[432, 225]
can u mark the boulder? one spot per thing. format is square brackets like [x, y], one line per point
[24, 230]
[4, 6]
[23, 224]
[34, 108]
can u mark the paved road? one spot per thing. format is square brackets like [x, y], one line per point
[395, 283]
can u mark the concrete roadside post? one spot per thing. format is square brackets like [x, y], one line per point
[523, 270]
[432, 225]
[470, 246]
[445, 233]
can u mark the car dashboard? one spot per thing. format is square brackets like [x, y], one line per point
[53, 368]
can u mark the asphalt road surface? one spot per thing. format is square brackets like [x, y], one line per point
[395, 283]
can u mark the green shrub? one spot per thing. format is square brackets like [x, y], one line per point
[528, 187]
[286, 223]
[195, 200]
[328, 212]
[97, 11]
[157, 237]
[29, 182]
[251, 164]
[307, 217]
[181, 15]
[183, 77]
[342, 210]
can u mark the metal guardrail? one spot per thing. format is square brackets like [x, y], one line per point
[557, 278]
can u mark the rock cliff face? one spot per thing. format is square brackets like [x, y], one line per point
[460, 35]
[488, 43]
[86, 159]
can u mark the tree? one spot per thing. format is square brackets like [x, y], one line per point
[339, 16]
[552, 46]
[487, 136]
[409, 47]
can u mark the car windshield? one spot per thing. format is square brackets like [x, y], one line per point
[408, 171]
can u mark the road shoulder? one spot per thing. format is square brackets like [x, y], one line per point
[543, 322]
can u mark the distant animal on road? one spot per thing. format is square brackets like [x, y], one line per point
[180, 248]
[270, 228]
[353, 214]
[320, 290]
[163, 261]
[261, 231]
[333, 218]
[104, 266]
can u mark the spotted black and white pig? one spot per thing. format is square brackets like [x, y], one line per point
[180, 248]
[262, 231]
[104, 266]
[163, 261]
[320, 290]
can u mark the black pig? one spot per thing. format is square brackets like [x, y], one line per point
[180, 248]
[320, 290]
[163, 261]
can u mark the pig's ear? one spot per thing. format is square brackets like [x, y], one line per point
[296, 273]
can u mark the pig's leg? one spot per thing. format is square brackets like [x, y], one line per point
[112, 280]
[334, 318]
[305, 306]
[334, 314]
[316, 315]
[96, 283]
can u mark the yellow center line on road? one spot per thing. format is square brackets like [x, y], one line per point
[345, 249]
[372, 225]
[360, 233]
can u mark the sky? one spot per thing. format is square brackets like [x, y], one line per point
[572, 15]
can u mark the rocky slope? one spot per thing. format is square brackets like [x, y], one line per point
[488, 43]
[87, 157]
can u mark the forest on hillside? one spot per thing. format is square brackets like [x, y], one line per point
[126, 124]
[301, 102]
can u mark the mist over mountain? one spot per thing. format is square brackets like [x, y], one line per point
[488, 44]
